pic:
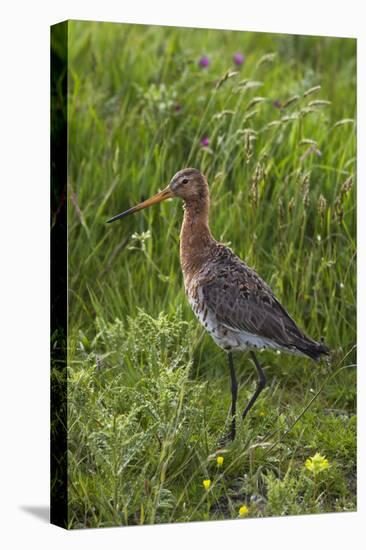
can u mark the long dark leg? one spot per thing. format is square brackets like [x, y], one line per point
[260, 385]
[234, 396]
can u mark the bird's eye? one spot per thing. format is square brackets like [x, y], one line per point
[185, 180]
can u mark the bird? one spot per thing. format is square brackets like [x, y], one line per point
[233, 303]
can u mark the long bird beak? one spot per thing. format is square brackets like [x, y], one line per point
[162, 196]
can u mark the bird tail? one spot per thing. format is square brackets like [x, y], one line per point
[313, 349]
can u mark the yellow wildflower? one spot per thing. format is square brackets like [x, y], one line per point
[243, 511]
[206, 484]
[317, 463]
[220, 461]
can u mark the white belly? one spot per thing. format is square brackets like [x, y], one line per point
[228, 338]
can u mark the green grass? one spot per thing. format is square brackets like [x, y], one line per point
[148, 391]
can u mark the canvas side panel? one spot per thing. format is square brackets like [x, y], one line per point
[59, 59]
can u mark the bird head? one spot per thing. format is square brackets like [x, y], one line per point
[188, 184]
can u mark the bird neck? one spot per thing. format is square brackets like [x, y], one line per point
[196, 240]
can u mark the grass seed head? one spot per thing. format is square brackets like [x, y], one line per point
[291, 204]
[322, 204]
[257, 178]
[305, 187]
[339, 201]
[290, 101]
[312, 90]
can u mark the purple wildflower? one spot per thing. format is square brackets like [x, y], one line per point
[238, 58]
[177, 107]
[277, 103]
[204, 62]
[205, 141]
